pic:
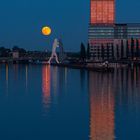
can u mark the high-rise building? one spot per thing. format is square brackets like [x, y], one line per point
[102, 11]
[105, 36]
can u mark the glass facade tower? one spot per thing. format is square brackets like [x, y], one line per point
[105, 37]
[102, 11]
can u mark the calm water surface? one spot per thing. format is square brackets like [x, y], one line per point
[49, 103]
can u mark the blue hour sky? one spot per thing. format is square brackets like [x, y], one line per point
[21, 21]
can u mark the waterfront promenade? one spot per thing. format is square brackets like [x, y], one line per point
[97, 66]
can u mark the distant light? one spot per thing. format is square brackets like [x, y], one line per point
[46, 31]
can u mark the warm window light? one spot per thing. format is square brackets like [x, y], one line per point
[102, 11]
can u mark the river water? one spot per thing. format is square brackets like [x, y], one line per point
[39, 102]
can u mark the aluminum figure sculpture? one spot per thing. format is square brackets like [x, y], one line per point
[54, 54]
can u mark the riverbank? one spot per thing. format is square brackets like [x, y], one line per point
[97, 66]
[86, 67]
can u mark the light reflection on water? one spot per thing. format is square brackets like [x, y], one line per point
[46, 85]
[43, 102]
[101, 90]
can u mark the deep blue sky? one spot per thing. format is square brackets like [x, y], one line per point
[21, 21]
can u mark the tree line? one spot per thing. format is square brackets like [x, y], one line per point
[84, 52]
[6, 52]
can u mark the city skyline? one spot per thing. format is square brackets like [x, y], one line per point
[21, 22]
[70, 70]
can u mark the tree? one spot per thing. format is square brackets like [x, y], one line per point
[127, 49]
[4, 52]
[102, 52]
[20, 50]
[122, 49]
[112, 48]
[82, 52]
[137, 48]
[98, 52]
[108, 51]
[132, 48]
[15, 48]
[118, 54]
[88, 51]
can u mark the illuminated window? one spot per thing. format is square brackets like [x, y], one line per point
[102, 11]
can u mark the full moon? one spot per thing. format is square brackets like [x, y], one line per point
[46, 31]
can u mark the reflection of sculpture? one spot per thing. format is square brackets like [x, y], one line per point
[54, 54]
